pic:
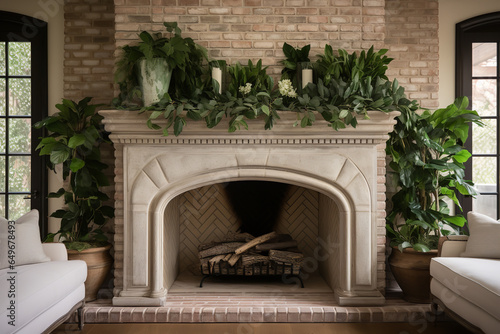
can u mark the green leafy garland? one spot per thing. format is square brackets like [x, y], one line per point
[347, 85]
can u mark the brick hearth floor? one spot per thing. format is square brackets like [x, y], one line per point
[259, 307]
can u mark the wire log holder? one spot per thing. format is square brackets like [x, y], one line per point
[261, 269]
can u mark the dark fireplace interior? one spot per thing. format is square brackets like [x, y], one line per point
[257, 250]
[257, 204]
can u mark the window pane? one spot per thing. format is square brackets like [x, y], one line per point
[2, 97]
[2, 174]
[2, 58]
[19, 174]
[20, 135]
[486, 204]
[19, 58]
[485, 138]
[2, 205]
[18, 206]
[484, 59]
[20, 97]
[2, 135]
[484, 97]
[484, 170]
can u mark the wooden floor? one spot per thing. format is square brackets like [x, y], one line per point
[260, 328]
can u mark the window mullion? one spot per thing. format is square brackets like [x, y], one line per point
[7, 124]
[498, 131]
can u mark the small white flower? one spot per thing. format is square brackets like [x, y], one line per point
[286, 88]
[246, 89]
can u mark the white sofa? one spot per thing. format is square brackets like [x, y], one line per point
[466, 277]
[46, 293]
[39, 287]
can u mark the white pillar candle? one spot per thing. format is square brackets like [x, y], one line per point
[307, 76]
[217, 75]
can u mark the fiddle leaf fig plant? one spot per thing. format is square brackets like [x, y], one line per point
[75, 135]
[428, 156]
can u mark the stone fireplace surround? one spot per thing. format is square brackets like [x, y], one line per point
[346, 167]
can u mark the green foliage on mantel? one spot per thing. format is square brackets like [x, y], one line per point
[346, 85]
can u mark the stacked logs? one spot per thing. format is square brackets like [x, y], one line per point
[243, 254]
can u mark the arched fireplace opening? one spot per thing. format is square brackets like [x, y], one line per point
[208, 213]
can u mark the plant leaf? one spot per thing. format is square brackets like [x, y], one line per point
[76, 164]
[76, 140]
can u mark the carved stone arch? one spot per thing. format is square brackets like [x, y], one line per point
[343, 182]
[347, 167]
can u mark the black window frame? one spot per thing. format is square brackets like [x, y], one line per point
[480, 29]
[16, 27]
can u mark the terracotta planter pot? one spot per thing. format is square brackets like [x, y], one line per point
[98, 265]
[411, 270]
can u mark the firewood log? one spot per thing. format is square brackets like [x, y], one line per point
[217, 259]
[286, 257]
[248, 260]
[207, 246]
[219, 249]
[255, 242]
[276, 245]
[233, 259]
[238, 237]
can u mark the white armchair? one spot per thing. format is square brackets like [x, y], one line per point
[466, 288]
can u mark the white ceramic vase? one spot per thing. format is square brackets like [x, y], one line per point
[154, 79]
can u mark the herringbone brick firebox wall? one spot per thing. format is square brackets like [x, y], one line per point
[206, 215]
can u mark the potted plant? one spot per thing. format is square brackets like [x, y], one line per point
[428, 155]
[75, 135]
[145, 70]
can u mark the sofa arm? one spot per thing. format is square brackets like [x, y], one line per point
[56, 251]
[452, 245]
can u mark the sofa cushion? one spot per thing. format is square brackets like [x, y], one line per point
[26, 247]
[39, 287]
[474, 279]
[465, 309]
[484, 239]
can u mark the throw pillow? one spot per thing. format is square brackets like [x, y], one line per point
[484, 239]
[27, 246]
